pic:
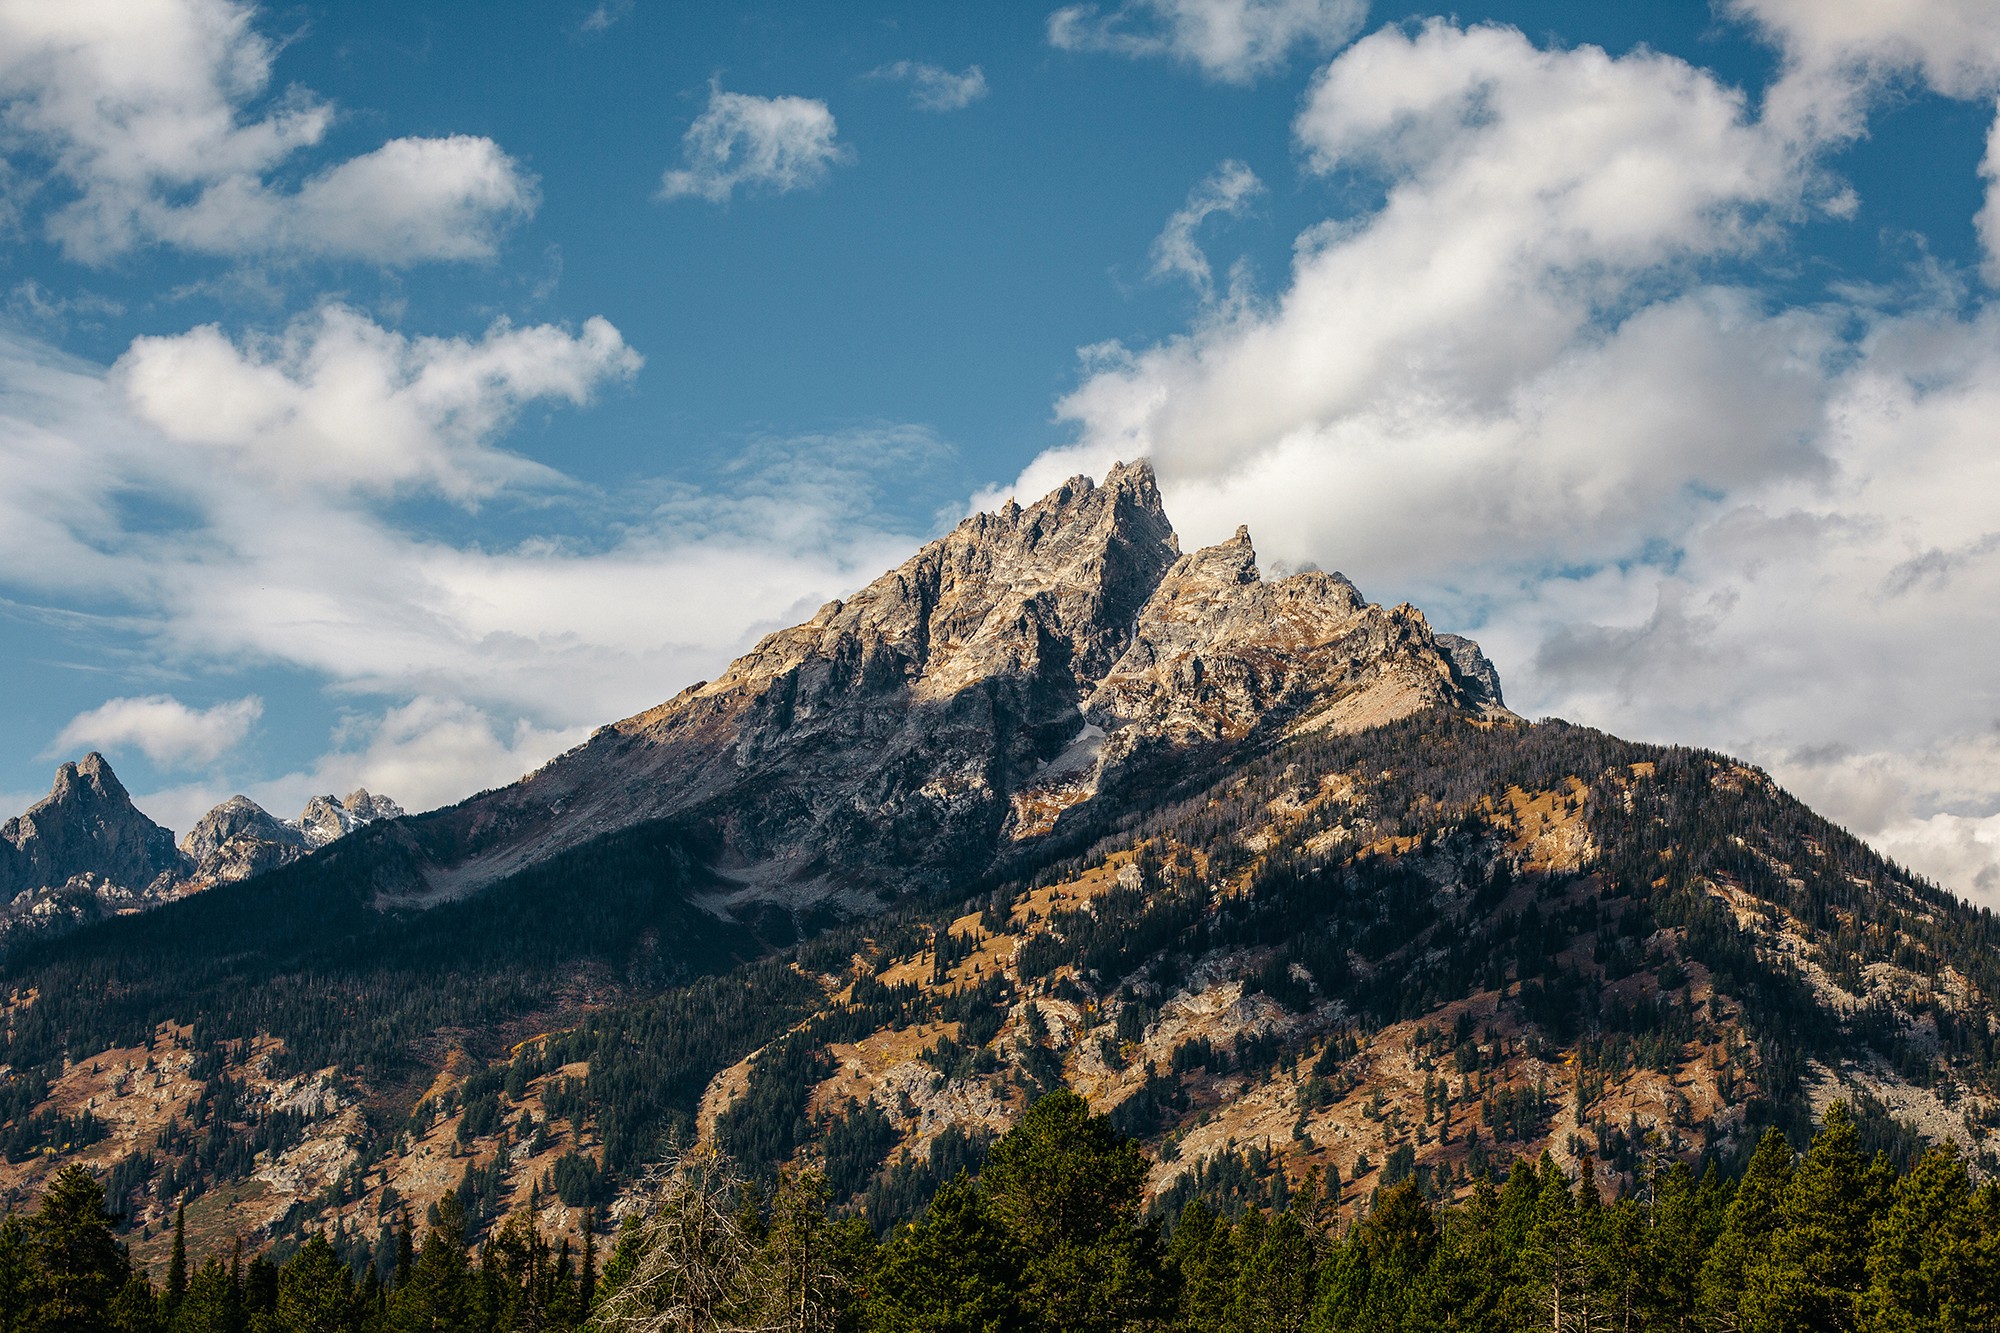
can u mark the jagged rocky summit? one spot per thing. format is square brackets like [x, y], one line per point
[1032, 662]
[85, 851]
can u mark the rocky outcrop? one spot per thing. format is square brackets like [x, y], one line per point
[83, 852]
[964, 702]
[1477, 674]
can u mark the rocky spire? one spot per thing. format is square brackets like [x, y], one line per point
[87, 825]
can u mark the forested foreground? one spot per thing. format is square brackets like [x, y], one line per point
[1052, 1236]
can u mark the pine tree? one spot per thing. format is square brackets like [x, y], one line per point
[316, 1291]
[1933, 1268]
[177, 1264]
[948, 1272]
[1811, 1277]
[78, 1263]
[1747, 1226]
[17, 1272]
[1065, 1187]
[1201, 1258]
[1275, 1292]
[213, 1303]
[438, 1296]
[798, 1278]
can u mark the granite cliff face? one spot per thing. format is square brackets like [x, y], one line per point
[1009, 672]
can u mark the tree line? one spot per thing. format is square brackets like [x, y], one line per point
[1052, 1236]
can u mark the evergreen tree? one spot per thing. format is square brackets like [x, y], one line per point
[1379, 1275]
[177, 1263]
[78, 1263]
[213, 1303]
[948, 1272]
[438, 1296]
[1933, 1265]
[1275, 1289]
[135, 1309]
[1812, 1275]
[17, 1273]
[316, 1291]
[1747, 1227]
[1065, 1188]
[800, 1278]
[1202, 1260]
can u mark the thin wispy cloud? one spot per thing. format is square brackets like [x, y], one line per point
[289, 551]
[934, 88]
[606, 16]
[776, 144]
[1226, 192]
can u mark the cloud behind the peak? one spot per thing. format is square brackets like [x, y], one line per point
[1519, 390]
[741, 141]
[1231, 41]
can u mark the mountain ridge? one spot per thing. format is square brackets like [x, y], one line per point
[1267, 873]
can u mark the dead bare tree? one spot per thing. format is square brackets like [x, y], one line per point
[693, 1255]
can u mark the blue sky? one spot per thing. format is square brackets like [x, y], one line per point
[389, 394]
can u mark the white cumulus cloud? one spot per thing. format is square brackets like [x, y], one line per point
[1233, 41]
[155, 119]
[746, 142]
[162, 728]
[339, 403]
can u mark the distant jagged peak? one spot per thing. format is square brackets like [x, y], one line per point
[368, 808]
[89, 778]
[327, 818]
[235, 820]
[86, 829]
[85, 790]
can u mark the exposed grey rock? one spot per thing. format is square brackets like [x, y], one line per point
[367, 809]
[86, 852]
[1472, 667]
[239, 839]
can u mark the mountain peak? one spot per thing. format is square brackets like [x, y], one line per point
[1006, 673]
[85, 829]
